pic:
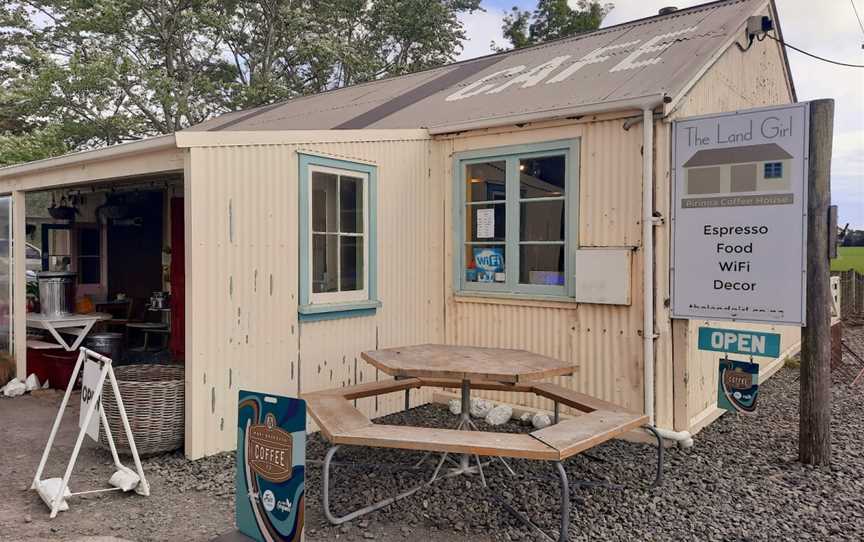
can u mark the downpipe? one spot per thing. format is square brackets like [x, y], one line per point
[682, 438]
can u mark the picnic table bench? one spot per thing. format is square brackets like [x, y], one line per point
[342, 424]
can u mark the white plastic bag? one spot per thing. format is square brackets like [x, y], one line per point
[14, 388]
[32, 382]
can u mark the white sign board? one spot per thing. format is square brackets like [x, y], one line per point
[485, 223]
[89, 382]
[739, 215]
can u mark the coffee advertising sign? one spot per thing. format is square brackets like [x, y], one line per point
[739, 215]
[737, 386]
[271, 458]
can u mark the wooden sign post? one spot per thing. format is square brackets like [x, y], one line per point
[814, 440]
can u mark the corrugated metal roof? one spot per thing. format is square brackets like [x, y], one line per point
[647, 57]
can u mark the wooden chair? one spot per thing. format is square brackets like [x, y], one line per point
[121, 314]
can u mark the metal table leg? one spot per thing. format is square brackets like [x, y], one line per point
[465, 419]
[325, 493]
[658, 478]
[564, 534]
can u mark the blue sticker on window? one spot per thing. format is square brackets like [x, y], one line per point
[488, 264]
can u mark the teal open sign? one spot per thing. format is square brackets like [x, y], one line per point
[739, 341]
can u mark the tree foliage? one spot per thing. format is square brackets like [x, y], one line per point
[84, 73]
[552, 19]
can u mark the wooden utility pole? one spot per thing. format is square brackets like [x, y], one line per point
[814, 430]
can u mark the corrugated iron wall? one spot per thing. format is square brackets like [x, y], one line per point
[242, 277]
[603, 341]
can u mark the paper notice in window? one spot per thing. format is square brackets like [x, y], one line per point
[485, 223]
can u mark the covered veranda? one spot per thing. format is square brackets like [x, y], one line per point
[150, 172]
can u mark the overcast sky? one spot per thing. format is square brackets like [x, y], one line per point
[827, 28]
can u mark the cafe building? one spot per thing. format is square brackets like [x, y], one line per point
[518, 200]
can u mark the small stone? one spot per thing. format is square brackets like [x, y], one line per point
[481, 407]
[27, 518]
[455, 406]
[499, 415]
[525, 418]
[368, 536]
[539, 421]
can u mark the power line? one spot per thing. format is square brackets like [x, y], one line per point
[817, 57]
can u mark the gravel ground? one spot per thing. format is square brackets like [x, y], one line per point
[741, 481]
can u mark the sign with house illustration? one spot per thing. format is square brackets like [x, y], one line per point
[749, 169]
[739, 215]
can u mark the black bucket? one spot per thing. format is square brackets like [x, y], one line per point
[107, 343]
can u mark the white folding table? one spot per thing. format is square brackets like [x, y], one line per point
[73, 324]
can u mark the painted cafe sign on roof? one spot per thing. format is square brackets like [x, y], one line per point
[525, 77]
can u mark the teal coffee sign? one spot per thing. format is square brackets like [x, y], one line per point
[739, 341]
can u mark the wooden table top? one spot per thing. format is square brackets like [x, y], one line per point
[467, 363]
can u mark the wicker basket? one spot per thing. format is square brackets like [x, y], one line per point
[154, 399]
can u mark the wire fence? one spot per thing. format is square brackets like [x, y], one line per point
[851, 295]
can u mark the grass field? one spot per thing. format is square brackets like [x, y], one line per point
[849, 258]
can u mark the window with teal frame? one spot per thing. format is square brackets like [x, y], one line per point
[515, 217]
[338, 238]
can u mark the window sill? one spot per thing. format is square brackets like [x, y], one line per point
[335, 311]
[524, 300]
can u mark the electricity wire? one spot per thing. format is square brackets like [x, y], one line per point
[817, 57]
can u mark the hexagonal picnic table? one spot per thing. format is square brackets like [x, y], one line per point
[467, 368]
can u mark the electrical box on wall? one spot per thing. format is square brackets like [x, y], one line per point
[603, 275]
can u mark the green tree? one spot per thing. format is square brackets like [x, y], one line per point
[85, 73]
[551, 20]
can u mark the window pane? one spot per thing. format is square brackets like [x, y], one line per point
[541, 221]
[773, 170]
[325, 199]
[351, 200]
[485, 263]
[88, 242]
[541, 177]
[486, 181]
[485, 222]
[541, 264]
[59, 263]
[351, 263]
[59, 242]
[325, 277]
[88, 270]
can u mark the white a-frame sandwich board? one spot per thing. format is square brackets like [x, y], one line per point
[54, 491]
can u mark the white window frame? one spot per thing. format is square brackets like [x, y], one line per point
[340, 296]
